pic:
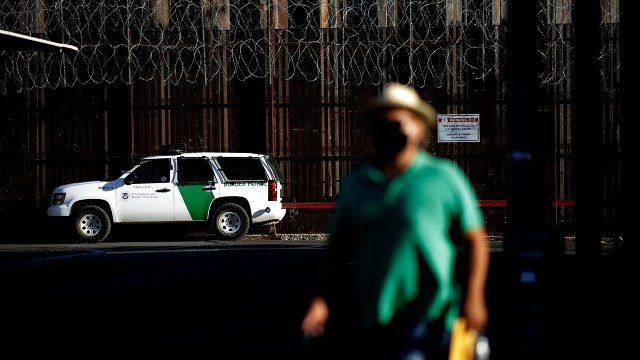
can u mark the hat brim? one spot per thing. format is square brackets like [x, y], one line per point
[396, 95]
[425, 110]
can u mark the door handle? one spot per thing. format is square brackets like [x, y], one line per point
[163, 190]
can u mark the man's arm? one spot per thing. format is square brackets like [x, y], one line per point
[474, 305]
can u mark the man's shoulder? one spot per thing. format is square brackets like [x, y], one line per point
[356, 175]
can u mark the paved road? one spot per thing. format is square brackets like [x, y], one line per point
[186, 300]
[245, 300]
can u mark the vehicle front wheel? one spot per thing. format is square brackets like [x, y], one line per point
[92, 224]
[231, 221]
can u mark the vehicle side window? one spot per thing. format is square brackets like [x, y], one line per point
[236, 168]
[151, 171]
[194, 170]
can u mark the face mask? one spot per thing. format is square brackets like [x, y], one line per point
[388, 140]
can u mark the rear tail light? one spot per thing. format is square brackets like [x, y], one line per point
[273, 191]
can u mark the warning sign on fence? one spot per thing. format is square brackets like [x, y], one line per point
[458, 128]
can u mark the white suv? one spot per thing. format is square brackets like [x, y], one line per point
[231, 191]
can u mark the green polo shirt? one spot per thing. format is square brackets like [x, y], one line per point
[398, 232]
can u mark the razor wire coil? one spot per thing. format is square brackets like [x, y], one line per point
[195, 40]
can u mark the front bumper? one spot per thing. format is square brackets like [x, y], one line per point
[58, 210]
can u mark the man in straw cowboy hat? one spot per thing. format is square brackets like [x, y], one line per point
[399, 218]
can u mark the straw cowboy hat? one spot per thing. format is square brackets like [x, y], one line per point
[396, 95]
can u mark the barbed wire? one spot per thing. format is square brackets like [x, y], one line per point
[435, 42]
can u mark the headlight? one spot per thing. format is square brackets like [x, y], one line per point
[58, 198]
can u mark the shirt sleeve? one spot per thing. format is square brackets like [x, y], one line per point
[470, 215]
[339, 249]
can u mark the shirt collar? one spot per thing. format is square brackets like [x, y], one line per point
[375, 175]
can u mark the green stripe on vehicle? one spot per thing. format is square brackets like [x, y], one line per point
[198, 201]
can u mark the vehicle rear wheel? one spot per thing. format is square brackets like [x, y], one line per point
[231, 221]
[92, 224]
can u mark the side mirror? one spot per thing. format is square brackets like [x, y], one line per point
[130, 179]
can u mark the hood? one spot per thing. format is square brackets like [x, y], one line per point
[88, 186]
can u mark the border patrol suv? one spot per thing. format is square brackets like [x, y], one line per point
[231, 191]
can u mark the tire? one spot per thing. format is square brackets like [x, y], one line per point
[230, 221]
[92, 224]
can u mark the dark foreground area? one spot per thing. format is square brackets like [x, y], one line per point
[246, 301]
